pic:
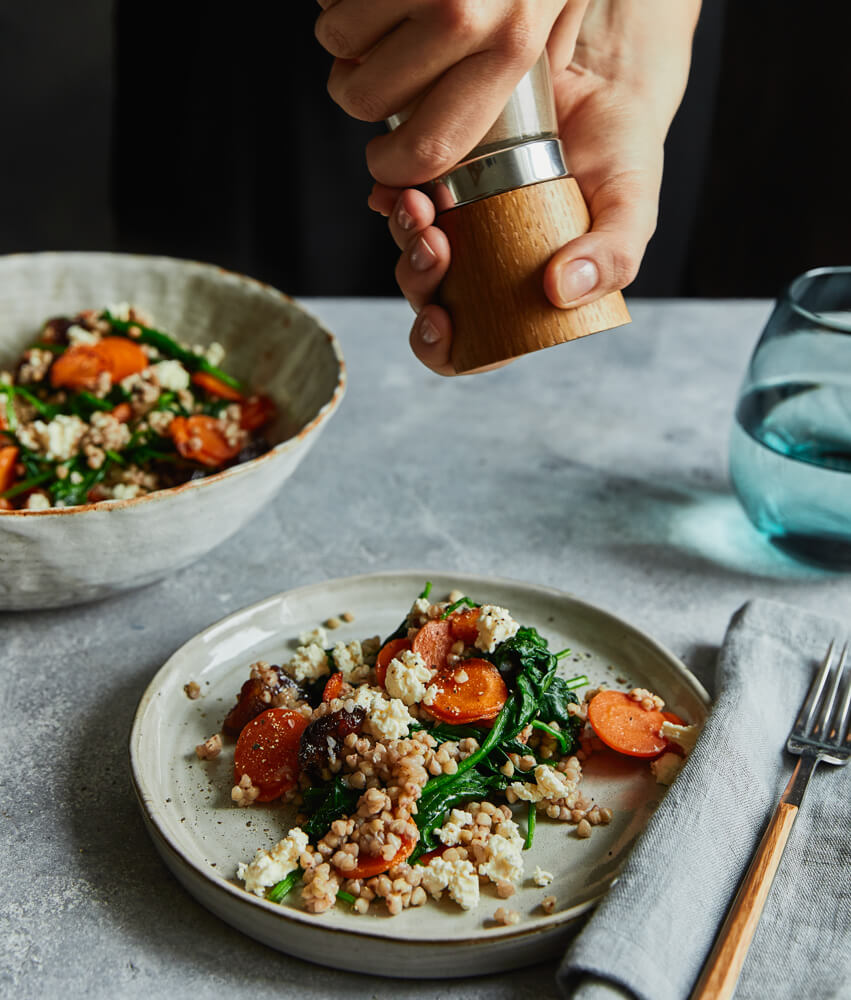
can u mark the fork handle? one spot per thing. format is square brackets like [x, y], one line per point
[721, 972]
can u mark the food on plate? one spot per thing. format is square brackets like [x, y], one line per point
[104, 406]
[419, 763]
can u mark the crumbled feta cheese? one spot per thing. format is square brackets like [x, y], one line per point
[684, 736]
[6, 378]
[386, 719]
[540, 877]
[309, 663]
[450, 832]
[494, 625]
[550, 785]
[38, 501]
[269, 867]
[215, 354]
[350, 662]
[60, 439]
[318, 636]
[504, 860]
[121, 310]
[408, 677]
[80, 335]
[431, 693]
[126, 491]
[666, 767]
[171, 375]
[458, 877]
[418, 615]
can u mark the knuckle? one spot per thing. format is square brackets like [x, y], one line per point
[333, 40]
[463, 17]
[432, 154]
[519, 41]
[362, 103]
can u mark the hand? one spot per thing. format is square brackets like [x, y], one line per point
[617, 85]
[464, 56]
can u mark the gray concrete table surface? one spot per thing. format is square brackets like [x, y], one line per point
[597, 467]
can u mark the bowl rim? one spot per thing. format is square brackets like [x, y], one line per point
[312, 427]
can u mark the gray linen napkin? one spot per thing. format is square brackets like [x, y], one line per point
[651, 935]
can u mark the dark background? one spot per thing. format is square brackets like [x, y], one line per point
[204, 132]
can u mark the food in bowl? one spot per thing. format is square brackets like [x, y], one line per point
[105, 406]
[410, 757]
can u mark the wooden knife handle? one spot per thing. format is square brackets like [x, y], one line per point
[494, 287]
[721, 972]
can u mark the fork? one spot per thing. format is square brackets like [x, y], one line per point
[821, 733]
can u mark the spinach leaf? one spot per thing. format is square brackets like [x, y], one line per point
[327, 803]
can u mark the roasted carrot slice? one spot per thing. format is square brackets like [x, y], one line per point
[215, 386]
[122, 357]
[464, 625]
[8, 461]
[333, 687]
[389, 651]
[78, 368]
[370, 865]
[122, 413]
[257, 411]
[267, 751]
[470, 692]
[82, 364]
[433, 642]
[622, 724]
[201, 438]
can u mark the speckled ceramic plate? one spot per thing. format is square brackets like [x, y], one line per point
[202, 836]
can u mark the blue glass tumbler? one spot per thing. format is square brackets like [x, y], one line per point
[790, 449]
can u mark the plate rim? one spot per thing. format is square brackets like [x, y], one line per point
[547, 924]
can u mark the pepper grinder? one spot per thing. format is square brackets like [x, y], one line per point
[506, 208]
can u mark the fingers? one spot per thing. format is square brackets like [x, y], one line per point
[448, 122]
[607, 258]
[413, 211]
[431, 339]
[350, 28]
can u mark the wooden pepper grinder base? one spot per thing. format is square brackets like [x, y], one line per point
[494, 287]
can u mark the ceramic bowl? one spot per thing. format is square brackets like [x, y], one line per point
[65, 556]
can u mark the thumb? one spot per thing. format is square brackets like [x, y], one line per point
[606, 259]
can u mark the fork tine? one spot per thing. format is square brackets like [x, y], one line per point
[821, 729]
[843, 715]
[811, 702]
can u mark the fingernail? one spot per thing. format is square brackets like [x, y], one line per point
[576, 279]
[426, 330]
[405, 219]
[422, 256]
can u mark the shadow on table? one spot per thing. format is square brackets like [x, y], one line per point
[677, 526]
[155, 939]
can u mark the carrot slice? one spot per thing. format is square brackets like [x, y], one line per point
[256, 412]
[201, 438]
[622, 724]
[215, 386]
[267, 751]
[389, 651]
[122, 357]
[479, 697]
[433, 642]
[370, 865]
[333, 687]
[673, 717]
[464, 625]
[78, 368]
[8, 461]
[122, 413]
[81, 365]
